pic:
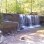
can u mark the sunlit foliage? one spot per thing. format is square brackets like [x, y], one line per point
[21, 6]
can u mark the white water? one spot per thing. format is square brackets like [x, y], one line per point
[22, 19]
[35, 17]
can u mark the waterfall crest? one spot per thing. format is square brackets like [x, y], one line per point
[31, 20]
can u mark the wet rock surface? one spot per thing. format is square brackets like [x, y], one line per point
[9, 27]
[34, 36]
[42, 20]
[11, 17]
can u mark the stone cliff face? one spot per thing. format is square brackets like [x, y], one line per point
[11, 17]
[8, 26]
[42, 20]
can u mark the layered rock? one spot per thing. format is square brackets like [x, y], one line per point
[42, 20]
[11, 17]
[9, 26]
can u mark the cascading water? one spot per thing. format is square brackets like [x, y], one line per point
[30, 21]
[22, 18]
[37, 20]
[33, 19]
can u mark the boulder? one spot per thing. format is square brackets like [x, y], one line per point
[8, 26]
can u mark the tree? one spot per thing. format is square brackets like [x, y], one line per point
[21, 6]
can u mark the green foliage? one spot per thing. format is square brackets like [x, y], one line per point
[21, 6]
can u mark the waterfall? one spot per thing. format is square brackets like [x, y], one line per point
[37, 20]
[30, 21]
[26, 21]
[33, 20]
[22, 19]
[30, 17]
